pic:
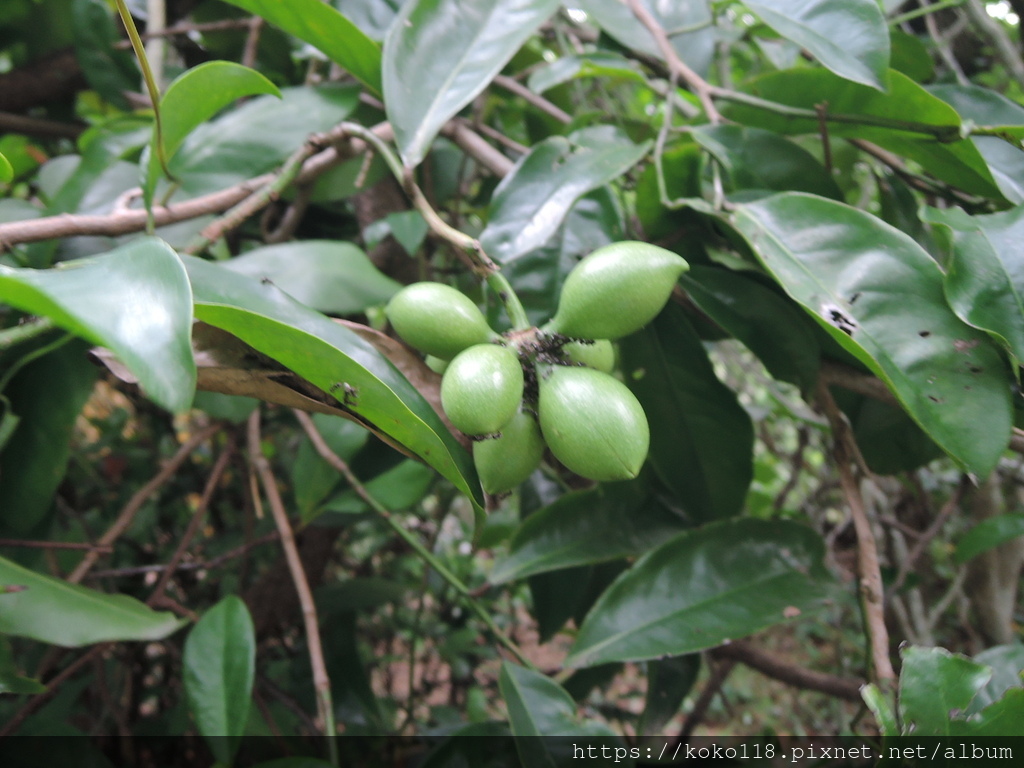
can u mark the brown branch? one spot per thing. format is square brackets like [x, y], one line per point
[845, 452]
[321, 681]
[213, 562]
[37, 126]
[786, 672]
[719, 674]
[534, 99]
[923, 539]
[124, 519]
[27, 544]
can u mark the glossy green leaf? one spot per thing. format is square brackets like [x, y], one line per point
[134, 300]
[1002, 718]
[691, 23]
[986, 107]
[769, 325]
[110, 72]
[439, 54]
[328, 275]
[320, 25]
[584, 527]
[720, 582]
[754, 160]
[910, 56]
[1007, 663]
[988, 534]
[668, 682]
[329, 356]
[880, 296]
[53, 611]
[953, 160]
[934, 686]
[11, 680]
[602, 64]
[532, 202]
[312, 477]
[6, 171]
[46, 397]
[397, 489]
[850, 37]
[193, 98]
[218, 669]
[702, 439]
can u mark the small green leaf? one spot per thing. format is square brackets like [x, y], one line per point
[701, 437]
[850, 37]
[11, 680]
[6, 171]
[584, 527]
[1007, 662]
[604, 64]
[327, 275]
[935, 687]
[439, 54]
[532, 202]
[880, 296]
[134, 300]
[323, 27]
[988, 534]
[330, 356]
[881, 708]
[53, 611]
[702, 588]
[219, 665]
[193, 98]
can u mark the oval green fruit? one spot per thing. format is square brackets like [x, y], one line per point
[593, 424]
[616, 290]
[507, 460]
[598, 354]
[482, 388]
[437, 319]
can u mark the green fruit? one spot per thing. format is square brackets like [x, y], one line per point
[437, 319]
[482, 388]
[599, 354]
[616, 290]
[436, 364]
[507, 460]
[592, 423]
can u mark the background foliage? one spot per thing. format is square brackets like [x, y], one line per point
[826, 537]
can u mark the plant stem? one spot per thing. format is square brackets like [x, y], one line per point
[19, 334]
[428, 557]
[895, 21]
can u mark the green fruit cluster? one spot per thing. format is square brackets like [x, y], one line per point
[546, 388]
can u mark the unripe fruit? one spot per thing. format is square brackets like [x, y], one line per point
[437, 319]
[436, 364]
[507, 460]
[599, 354]
[481, 390]
[592, 423]
[616, 290]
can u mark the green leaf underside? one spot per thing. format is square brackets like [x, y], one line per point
[532, 202]
[849, 37]
[53, 611]
[135, 301]
[702, 588]
[439, 54]
[219, 666]
[193, 98]
[955, 161]
[592, 526]
[323, 27]
[327, 354]
[880, 296]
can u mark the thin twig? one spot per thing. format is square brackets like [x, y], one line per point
[26, 544]
[869, 570]
[545, 106]
[719, 673]
[784, 671]
[923, 539]
[342, 466]
[205, 565]
[321, 681]
[140, 497]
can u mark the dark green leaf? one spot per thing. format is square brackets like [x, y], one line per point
[702, 588]
[477, 745]
[11, 680]
[353, 696]
[329, 356]
[312, 477]
[850, 37]
[359, 593]
[193, 98]
[556, 597]
[770, 326]
[668, 682]
[584, 527]
[1007, 662]
[953, 160]
[701, 437]
[46, 396]
[6, 171]
[602, 64]
[888, 438]
[318, 24]
[327, 275]
[110, 72]
[1003, 718]
[532, 202]
[398, 488]
[219, 665]
[439, 54]
[53, 611]
[880, 296]
[910, 56]
[682, 167]
[135, 301]
[754, 159]
[935, 685]
[988, 534]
